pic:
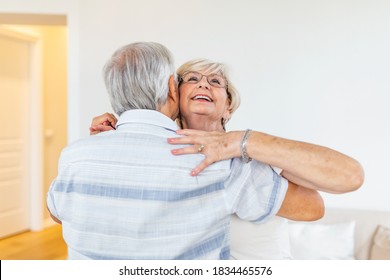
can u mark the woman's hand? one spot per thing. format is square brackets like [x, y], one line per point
[102, 123]
[216, 146]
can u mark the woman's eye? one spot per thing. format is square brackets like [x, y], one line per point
[216, 81]
[193, 78]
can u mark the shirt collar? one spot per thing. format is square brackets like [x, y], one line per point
[147, 117]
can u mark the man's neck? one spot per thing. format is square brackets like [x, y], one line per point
[168, 111]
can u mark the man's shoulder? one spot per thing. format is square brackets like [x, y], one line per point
[84, 145]
[86, 141]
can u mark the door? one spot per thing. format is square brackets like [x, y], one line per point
[14, 134]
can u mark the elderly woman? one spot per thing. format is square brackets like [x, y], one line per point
[207, 101]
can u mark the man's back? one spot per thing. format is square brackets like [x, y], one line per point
[122, 195]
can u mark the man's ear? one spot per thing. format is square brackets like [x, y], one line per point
[173, 97]
[173, 94]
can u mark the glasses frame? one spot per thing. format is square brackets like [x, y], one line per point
[207, 78]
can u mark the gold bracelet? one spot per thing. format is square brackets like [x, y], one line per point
[244, 153]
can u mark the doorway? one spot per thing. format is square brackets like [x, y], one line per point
[15, 82]
[46, 113]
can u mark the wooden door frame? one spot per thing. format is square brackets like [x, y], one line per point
[35, 124]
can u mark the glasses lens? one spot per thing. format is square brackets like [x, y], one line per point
[216, 80]
[192, 77]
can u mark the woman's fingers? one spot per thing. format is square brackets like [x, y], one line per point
[183, 140]
[202, 166]
[95, 129]
[186, 150]
[105, 119]
[196, 149]
[189, 132]
[210, 144]
[196, 137]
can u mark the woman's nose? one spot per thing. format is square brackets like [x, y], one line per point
[204, 83]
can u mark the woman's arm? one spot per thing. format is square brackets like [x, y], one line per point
[308, 165]
[302, 204]
[54, 218]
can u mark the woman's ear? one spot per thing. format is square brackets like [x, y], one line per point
[226, 114]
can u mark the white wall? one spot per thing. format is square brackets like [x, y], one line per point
[310, 70]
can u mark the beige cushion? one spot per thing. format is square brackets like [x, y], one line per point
[367, 222]
[380, 249]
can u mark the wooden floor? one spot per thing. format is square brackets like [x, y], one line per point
[43, 245]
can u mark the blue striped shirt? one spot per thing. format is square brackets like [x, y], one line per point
[122, 195]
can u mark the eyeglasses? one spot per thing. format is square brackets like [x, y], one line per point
[214, 80]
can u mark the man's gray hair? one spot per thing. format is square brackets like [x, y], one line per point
[137, 76]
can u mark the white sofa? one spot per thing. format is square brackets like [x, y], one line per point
[342, 225]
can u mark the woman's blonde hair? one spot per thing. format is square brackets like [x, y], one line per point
[211, 67]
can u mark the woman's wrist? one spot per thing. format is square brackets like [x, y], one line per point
[234, 141]
[244, 152]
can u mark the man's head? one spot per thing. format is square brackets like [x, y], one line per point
[141, 76]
